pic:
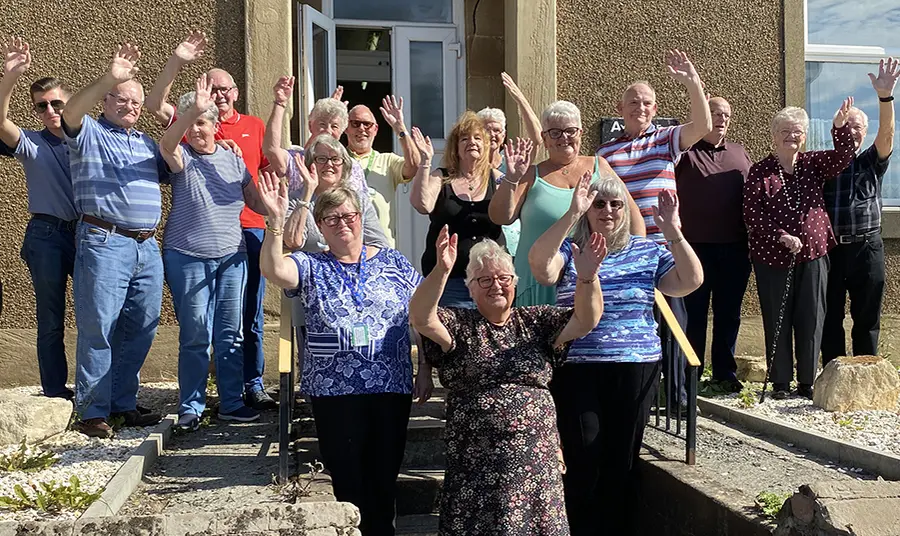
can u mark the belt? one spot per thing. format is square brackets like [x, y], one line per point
[850, 239]
[140, 236]
[60, 223]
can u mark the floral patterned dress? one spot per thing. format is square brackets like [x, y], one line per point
[502, 468]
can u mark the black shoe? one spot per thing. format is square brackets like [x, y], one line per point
[806, 391]
[142, 410]
[780, 391]
[260, 400]
[732, 386]
[135, 418]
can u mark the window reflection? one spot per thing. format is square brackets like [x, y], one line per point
[320, 62]
[399, 10]
[426, 67]
[837, 22]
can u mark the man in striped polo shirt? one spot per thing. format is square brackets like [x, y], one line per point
[118, 276]
[645, 157]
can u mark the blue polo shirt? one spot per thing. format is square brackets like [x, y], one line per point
[116, 174]
[45, 159]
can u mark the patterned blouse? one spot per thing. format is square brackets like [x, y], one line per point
[778, 203]
[348, 350]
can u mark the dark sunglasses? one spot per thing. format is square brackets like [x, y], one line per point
[615, 204]
[41, 107]
[556, 133]
[361, 124]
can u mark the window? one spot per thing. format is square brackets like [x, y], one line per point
[842, 46]
[431, 11]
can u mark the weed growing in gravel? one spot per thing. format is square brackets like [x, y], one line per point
[770, 503]
[50, 497]
[848, 422]
[298, 486]
[27, 459]
[747, 397]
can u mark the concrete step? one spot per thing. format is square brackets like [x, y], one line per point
[417, 525]
[419, 453]
[419, 490]
[421, 428]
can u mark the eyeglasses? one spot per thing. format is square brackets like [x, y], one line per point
[486, 282]
[366, 125]
[41, 107]
[795, 133]
[614, 204]
[556, 133]
[348, 218]
[125, 101]
[220, 89]
[335, 160]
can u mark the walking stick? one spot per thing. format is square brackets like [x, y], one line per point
[770, 355]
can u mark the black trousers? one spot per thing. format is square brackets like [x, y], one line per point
[726, 270]
[602, 410]
[674, 362]
[804, 316]
[362, 439]
[856, 269]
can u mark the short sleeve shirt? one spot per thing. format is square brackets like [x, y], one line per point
[247, 132]
[45, 159]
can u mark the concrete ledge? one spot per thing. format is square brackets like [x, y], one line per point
[886, 465]
[129, 476]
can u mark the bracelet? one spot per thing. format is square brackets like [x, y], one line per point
[676, 241]
[889, 98]
[587, 281]
[514, 184]
[305, 204]
[282, 104]
[274, 230]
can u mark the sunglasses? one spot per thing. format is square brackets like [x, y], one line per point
[348, 218]
[335, 160]
[361, 124]
[614, 204]
[41, 107]
[505, 280]
[556, 133]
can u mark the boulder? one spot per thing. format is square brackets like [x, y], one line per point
[842, 508]
[31, 416]
[751, 368]
[857, 383]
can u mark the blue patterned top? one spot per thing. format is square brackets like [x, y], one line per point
[627, 332]
[332, 365]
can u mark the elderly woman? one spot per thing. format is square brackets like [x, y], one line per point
[542, 195]
[205, 257]
[456, 195]
[604, 390]
[496, 361]
[790, 235]
[357, 368]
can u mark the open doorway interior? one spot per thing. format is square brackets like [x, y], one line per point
[364, 69]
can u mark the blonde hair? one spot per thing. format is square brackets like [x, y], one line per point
[468, 124]
[488, 250]
[607, 186]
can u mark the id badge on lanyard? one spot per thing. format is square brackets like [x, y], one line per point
[359, 335]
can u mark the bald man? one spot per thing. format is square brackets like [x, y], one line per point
[384, 171]
[710, 178]
[246, 132]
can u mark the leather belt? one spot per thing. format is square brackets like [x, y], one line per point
[140, 236]
[850, 239]
[59, 223]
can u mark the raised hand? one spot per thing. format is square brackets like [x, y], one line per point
[273, 193]
[446, 250]
[582, 197]
[283, 90]
[392, 111]
[665, 214]
[232, 146]
[888, 73]
[843, 113]
[123, 66]
[203, 94]
[512, 88]
[423, 144]
[308, 175]
[338, 94]
[680, 67]
[587, 261]
[518, 158]
[17, 59]
[192, 48]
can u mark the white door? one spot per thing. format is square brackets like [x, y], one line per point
[427, 63]
[318, 62]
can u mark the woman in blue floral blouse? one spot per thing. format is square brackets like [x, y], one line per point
[357, 368]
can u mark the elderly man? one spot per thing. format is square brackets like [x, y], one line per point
[49, 246]
[383, 171]
[853, 201]
[710, 178]
[246, 132]
[644, 157]
[118, 276]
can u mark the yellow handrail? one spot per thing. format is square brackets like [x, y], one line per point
[284, 337]
[673, 324]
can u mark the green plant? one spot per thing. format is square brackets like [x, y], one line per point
[50, 497]
[298, 486]
[26, 459]
[848, 422]
[747, 397]
[770, 503]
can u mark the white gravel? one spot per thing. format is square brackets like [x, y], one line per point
[94, 461]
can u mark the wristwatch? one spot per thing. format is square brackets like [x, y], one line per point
[402, 134]
[305, 204]
[889, 98]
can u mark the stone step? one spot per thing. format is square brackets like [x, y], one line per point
[419, 452]
[418, 525]
[419, 490]
[421, 428]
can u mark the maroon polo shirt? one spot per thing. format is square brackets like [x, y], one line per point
[710, 192]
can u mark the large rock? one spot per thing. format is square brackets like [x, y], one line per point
[842, 508]
[857, 383]
[751, 368]
[31, 416]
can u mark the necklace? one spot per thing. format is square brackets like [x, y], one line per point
[470, 183]
[790, 200]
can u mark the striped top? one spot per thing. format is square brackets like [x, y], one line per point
[207, 200]
[627, 330]
[116, 174]
[647, 165]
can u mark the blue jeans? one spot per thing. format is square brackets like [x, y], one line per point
[208, 295]
[456, 294]
[118, 292]
[254, 360]
[49, 253]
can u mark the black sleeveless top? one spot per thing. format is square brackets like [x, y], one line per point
[468, 219]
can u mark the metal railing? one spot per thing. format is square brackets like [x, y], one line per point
[675, 412]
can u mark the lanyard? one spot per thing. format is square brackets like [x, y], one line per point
[369, 165]
[354, 284]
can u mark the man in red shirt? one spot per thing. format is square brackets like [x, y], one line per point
[246, 133]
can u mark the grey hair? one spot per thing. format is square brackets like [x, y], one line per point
[329, 108]
[791, 114]
[186, 102]
[334, 145]
[560, 110]
[334, 198]
[862, 115]
[493, 114]
[488, 250]
[636, 83]
[607, 186]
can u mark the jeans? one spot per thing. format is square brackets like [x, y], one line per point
[49, 253]
[118, 285]
[456, 294]
[208, 295]
[254, 360]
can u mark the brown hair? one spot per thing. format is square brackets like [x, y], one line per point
[334, 198]
[47, 83]
[468, 124]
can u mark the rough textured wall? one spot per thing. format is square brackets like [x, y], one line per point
[74, 40]
[484, 54]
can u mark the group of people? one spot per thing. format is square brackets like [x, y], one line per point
[537, 305]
